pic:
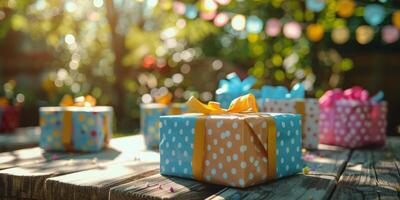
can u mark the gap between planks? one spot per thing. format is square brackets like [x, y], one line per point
[371, 174]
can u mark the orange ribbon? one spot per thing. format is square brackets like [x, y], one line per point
[301, 109]
[242, 105]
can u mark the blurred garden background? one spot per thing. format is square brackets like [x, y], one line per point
[123, 52]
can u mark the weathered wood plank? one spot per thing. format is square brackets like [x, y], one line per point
[162, 187]
[371, 174]
[28, 156]
[325, 167]
[22, 138]
[325, 164]
[28, 181]
[96, 183]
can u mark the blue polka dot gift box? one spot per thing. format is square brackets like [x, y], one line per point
[75, 128]
[150, 120]
[279, 99]
[233, 87]
[237, 147]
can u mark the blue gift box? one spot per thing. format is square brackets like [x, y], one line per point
[86, 129]
[236, 150]
[150, 119]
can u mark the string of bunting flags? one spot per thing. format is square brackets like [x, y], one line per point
[374, 15]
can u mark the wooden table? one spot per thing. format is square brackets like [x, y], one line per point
[128, 171]
[22, 138]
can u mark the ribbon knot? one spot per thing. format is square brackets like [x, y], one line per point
[246, 103]
[82, 101]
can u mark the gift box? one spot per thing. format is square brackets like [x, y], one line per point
[237, 147]
[150, 120]
[352, 119]
[279, 99]
[233, 87]
[9, 116]
[75, 128]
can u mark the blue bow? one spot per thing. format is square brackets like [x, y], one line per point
[232, 88]
[280, 92]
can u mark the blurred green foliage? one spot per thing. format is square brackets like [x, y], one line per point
[123, 50]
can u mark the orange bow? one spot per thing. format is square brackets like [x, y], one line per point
[164, 99]
[81, 101]
[246, 103]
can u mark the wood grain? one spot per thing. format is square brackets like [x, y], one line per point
[29, 156]
[159, 187]
[371, 174]
[28, 181]
[326, 165]
[22, 138]
[96, 183]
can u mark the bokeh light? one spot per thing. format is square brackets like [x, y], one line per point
[238, 22]
[273, 27]
[340, 35]
[345, 8]
[396, 19]
[292, 30]
[191, 11]
[315, 32]
[390, 34]
[179, 8]
[254, 24]
[374, 14]
[315, 5]
[364, 34]
[221, 19]
[223, 2]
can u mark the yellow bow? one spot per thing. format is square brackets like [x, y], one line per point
[164, 99]
[246, 103]
[87, 100]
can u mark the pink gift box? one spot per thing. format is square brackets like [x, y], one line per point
[352, 122]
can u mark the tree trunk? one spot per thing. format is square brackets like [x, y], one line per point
[121, 72]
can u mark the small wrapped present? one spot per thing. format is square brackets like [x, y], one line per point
[279, 99]
[352, 119]
[236, 147]
[233, 88]
[79, 126]
[150, 118]
[9, 116]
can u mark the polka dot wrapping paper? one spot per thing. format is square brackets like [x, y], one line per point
[353, 124]
[309, 107]
[238, 150]
[84, 129]
[150, 120]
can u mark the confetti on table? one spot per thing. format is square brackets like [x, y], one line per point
[309, 157]
[306, 170]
